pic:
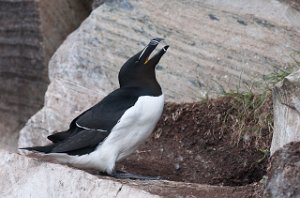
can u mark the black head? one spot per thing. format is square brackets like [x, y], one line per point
[139, 70]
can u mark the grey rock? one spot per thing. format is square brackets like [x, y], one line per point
[286, 102]
[203, 53]
[23, 74]
[284, 173]
[30, 32]
[97, 3]
[22, 176]
[35, 177]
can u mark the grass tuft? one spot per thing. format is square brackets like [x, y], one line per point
[251, 115]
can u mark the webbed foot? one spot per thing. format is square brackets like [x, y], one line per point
[125, 175]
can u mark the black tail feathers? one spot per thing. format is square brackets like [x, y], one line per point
[42, 149]
[58, 137]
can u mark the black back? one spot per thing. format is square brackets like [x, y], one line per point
[106, 113]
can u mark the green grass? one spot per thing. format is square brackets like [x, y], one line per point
[251, 114]
[252, 111]
[277, 76]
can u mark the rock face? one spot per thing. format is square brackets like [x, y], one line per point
[30, 31]
[21, 176]
[25, 177]
[210, 43]
[286, 100]
[284, 173]
[23, 74]
[97, 3]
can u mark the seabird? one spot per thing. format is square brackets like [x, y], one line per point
[113, 129]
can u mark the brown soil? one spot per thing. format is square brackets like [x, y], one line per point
[194, 143]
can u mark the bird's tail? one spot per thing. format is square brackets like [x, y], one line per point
[59, 137]
[42, 149]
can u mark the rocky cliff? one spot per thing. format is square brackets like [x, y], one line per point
[211, 45]
[30, 31]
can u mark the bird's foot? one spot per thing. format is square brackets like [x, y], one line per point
[125, 175]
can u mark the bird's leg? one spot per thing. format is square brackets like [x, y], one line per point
[125, 175]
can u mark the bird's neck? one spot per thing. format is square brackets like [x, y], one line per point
[150, 87]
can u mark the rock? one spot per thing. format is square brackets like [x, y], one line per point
[23, 73]
[203, 51]
[30, 31]
[284, 173]
[293, 3]
[286, 102]
[97, 3]
[57, 20]
[25, 177]
[22, 176]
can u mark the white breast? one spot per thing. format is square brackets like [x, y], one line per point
[136, 124]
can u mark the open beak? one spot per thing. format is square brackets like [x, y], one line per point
[145, 54]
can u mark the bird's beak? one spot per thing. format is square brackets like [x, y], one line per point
[155, 59]
[146, 52]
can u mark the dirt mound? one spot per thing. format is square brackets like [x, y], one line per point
[197, 142]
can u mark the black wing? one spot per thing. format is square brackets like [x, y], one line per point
[84, 139]
[94, 125]
[106, 114]
[83, 142]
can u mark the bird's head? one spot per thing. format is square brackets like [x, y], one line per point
[139, 69]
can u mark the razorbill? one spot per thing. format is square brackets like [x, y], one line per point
[114, 128]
